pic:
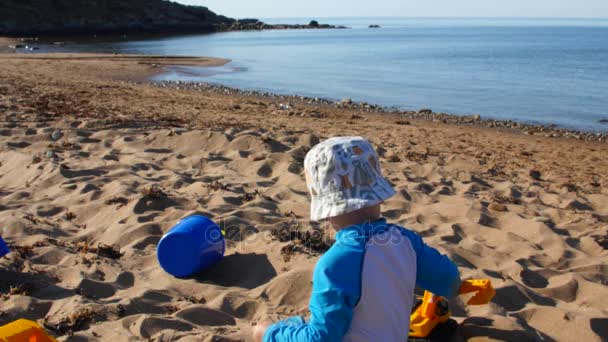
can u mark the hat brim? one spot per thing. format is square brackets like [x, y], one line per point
[343, 202]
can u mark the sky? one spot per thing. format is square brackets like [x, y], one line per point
[405, 8]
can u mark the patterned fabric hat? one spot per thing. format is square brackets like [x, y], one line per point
[343, 175]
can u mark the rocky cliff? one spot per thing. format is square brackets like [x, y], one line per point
[37, 17]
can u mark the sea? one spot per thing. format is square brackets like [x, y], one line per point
[539, 71]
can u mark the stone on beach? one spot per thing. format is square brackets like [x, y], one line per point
[56, 135]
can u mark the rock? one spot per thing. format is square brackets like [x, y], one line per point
[50, 154]
[603, 121]
[64, 17]
[56, 135]
[497, 207]
[471, 118]
[313, 23]
[425, 111]
[345, 101]
[374, 26]
[534, 174]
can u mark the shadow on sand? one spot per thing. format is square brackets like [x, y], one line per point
[240, 270]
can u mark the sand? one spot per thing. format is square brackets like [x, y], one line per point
[90, 160]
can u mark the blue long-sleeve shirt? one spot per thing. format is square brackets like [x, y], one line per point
[363, 287]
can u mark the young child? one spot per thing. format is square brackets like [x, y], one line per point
[363, 287]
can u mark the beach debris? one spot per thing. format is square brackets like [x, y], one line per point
[107, 251]
[75, 321]
[403, 122]
[102, 250]
[69, 216]
[153, 191]
[497, 207]
[535, 174]
[217, 185]
[23, 289]
[284, 106]
[122, 201]
[311, 239]
[24, 251]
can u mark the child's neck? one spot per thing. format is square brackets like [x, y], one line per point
[364, 215]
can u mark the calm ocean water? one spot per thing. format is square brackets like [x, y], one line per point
[550, 71]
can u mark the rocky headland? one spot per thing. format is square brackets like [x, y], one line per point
[64, 17]
[41, 17]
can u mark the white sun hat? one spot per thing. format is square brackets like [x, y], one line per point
[343, 175]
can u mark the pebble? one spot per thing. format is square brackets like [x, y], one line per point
[56, 135]
[534, 174]
[50, 154]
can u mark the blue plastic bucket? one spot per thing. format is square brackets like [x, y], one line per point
[191, 246]
[3, 248]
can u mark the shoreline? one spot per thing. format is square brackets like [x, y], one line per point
[550, 131]
[160, 63]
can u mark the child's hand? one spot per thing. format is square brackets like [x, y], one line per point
[259, 330]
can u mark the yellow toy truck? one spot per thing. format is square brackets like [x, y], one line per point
[430, 319]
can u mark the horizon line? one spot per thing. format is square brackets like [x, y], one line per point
[431, 17]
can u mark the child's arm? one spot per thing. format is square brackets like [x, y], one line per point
[335, 293]
[435, 272]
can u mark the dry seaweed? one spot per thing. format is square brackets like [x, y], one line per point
[102, 250]
[122, 201]
[75, 321]
[107, 251]
[153, 191]
[69, 216]
[312, 239]
[217, 185]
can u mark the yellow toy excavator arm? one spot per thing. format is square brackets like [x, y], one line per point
[23, 330]
[483, 288]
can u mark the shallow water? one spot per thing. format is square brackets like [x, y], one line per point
[550, 71]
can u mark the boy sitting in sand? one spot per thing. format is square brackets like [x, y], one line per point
[363, 287]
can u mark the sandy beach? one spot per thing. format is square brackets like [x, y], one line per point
[96, 164]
